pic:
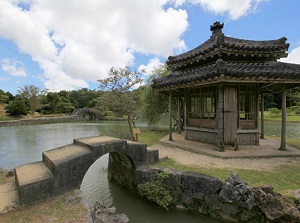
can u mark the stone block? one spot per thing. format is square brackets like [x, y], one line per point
[174, 179]
[68, 164]
[101, 145]
[34, 182]
[152, 156]
[202, 183]
[138, 152]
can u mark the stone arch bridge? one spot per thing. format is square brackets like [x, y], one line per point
[63, 168]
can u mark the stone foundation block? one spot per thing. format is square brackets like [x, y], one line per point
[34, 182]
[68, 164]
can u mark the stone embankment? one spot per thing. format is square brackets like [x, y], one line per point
[42, 120]
[231, 201]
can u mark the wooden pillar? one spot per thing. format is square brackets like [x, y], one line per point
[185, 111]
[179, 116]
[283, 118]
[220, 116]
[170, 116]
[262, 115]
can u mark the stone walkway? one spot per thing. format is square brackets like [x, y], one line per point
[8, 197]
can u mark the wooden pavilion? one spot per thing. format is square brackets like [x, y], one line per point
[221, 82]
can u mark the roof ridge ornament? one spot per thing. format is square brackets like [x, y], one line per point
[216, 28]
[220, 66]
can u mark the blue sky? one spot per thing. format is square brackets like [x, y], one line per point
[70, 44]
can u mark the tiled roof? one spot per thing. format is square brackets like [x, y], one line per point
[231, 71]
[222, 45]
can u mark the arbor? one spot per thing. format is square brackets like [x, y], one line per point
[31, 95]
[123, 99]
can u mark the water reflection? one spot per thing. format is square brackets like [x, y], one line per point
[95, 186]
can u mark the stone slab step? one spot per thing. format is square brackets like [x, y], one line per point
[34, 182]
[64, 153]
[101, 145]
[97, 140]
[68, 164]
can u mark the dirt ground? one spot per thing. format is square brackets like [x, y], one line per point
[194, 159]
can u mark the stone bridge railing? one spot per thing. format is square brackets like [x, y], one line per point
[63, 168]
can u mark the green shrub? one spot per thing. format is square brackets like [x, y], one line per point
[293, 109]
[17, 107]
[157, 191]
[274, 111]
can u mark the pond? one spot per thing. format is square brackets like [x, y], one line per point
[25, 144]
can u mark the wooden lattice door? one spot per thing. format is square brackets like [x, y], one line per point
[230, 115]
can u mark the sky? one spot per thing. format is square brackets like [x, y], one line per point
[70, 44]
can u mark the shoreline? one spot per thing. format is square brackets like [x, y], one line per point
[49, 120]
[39, 120]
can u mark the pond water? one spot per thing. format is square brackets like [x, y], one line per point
[137, 209]
[25, 144]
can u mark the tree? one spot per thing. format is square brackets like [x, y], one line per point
[155, 104]
[64, 105]
[294, 96]
[31, 94]
[17, 106]
[82, 98]
[52, 101]
[6, 97]
[122, 97]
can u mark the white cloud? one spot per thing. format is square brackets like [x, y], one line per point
[13, 67]
[293, 57]
[3, 79]
[76, 41]
[234, 8]
[151, 66]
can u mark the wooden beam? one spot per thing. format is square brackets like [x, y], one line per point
[170, 116]
[283, 118]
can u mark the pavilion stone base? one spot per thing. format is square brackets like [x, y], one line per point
[201, 135]
[248, 137]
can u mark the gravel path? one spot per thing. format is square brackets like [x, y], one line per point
[194, 159]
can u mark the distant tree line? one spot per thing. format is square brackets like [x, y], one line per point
[119, 95]
[31, 99]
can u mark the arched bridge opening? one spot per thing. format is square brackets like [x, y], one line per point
[63, 168]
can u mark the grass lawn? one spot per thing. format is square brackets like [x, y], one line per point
[63, 208]
[289, 118]
[150, 137]
[284, 179]
[295, 142]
